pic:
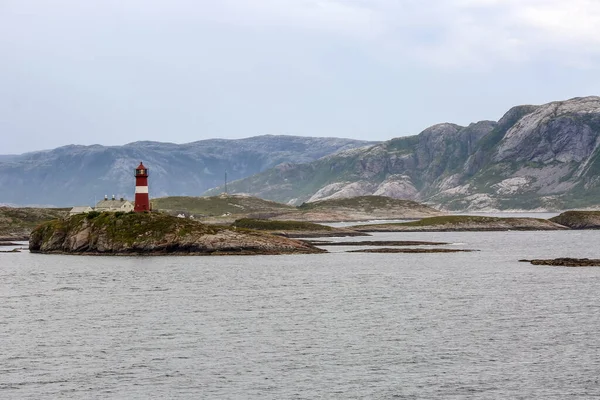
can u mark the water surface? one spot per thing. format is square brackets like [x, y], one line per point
[378, 326]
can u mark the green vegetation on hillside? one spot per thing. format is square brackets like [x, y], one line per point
[366, 203]
[267, 225]
[127, 228]
[579, 219]
[459, 220]
[450, 219]
[217, 205]
[18, 222]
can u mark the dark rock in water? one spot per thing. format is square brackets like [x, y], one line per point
[567, 262]
[389, 250]
[8, 244]
[154, 234]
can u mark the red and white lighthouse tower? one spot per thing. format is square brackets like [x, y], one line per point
[142, 200]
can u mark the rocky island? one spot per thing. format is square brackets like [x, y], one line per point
[154, 234]
[294, 229]
[579, 219]
[566, 262]
[458, 223]
[17, 223]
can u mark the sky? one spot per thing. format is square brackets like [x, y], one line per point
[117, 71]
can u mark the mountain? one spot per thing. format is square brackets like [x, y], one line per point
[535, 157]
[77, 175]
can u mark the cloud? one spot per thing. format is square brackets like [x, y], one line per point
[437, 33]
[440, 33]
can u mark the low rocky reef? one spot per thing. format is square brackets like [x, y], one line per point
[377, 243]
[416, 250]
[567, 262]
[458, 223]
[294, 229]
[154, 234]
[579, 219]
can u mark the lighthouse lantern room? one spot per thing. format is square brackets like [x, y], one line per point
[142, 199]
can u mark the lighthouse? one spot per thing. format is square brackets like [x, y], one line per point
[142, 200]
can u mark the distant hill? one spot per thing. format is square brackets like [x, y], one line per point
[217, 206]
[535, 157]
[79, 175]
[224, 209]
[17, 223]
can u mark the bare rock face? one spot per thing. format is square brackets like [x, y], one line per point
[543, 157]
[398, 187]
[554, 132]
[328, 190]
[354, 189]
[154, 234]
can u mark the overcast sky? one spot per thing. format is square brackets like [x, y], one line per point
[118, 71]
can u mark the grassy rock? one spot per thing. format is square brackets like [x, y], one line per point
[267, 225]
[465, 223]
[217, 206]
[17, 223]
[153, 233]
[294, 228]
[579, 219]
[225, 209]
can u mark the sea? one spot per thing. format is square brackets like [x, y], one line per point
[477, 325]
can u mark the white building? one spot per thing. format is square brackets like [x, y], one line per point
[114, 205]
[80, 210]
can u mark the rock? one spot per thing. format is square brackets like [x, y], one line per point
[344, 191]
[378, 243]
[397, 187]
[457, 223]
[418, 250]
[579, 219]
[17, 222]
[153, 234]
[566, 262]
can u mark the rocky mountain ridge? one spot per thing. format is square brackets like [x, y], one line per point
[80, 175]
[534, 157]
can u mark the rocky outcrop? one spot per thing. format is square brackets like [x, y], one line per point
[535, 158]
[579, 219]
[225, 209]
[416, 250]
[154, 234]
[17, 223]
[458, 223]
[566, 262]
[360, 209]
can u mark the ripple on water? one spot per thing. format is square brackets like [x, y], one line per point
[339, 325]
